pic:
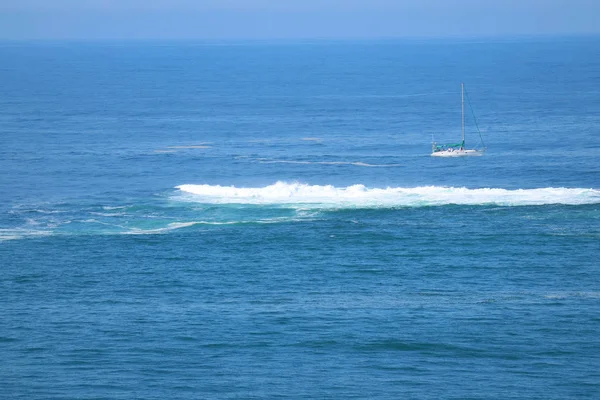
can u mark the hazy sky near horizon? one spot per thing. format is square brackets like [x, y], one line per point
[289, 19]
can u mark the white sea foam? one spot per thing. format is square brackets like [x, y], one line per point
[198, 146]
[357, 196]
[107, 214]
[170, 227]
[355, 163]
[19, 233]
[179, 225]
[113, 208]
[35, 210]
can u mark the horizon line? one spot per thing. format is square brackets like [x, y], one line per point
[480, 37]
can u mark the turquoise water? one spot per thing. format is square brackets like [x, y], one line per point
[263, 220]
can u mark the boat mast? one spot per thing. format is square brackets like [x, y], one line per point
[462, 95]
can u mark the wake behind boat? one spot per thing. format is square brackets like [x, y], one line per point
[457, 149]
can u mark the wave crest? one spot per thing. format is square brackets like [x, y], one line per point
[282, 193]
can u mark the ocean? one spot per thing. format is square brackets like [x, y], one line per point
[220, 220]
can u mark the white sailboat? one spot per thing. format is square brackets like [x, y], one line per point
[456, 149]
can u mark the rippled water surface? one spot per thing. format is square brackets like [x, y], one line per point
[251, 220]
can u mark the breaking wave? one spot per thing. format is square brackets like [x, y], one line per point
[199, 207]
[357, 196]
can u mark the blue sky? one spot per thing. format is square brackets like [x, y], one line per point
[289, 19]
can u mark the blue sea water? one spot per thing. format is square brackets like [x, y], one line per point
[184, 220]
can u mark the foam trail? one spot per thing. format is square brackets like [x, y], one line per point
[179, 225]
[355, 163]
[356, 196]
[19, 233]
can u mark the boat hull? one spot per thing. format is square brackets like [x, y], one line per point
[457, 153]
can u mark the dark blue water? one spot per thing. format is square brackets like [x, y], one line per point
[264, 220]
